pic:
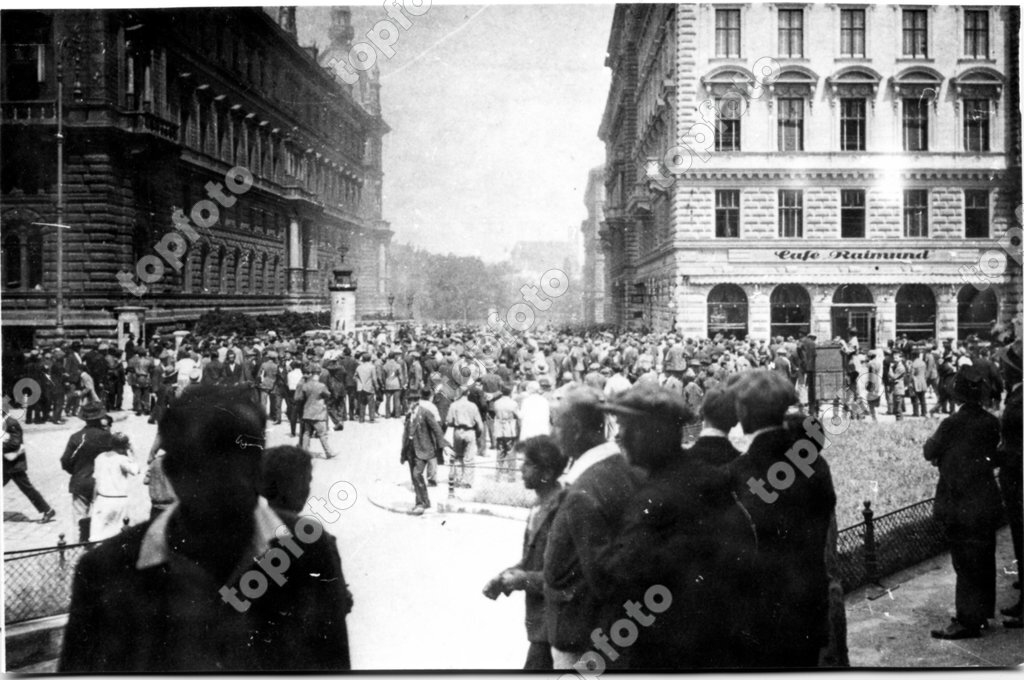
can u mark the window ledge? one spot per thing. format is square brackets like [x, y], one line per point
[739, 60]
[915, 60]
[975, 60]
[853, 60]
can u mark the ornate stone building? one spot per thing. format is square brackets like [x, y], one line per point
[776, 169]
[158, 107]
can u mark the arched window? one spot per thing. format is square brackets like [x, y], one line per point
[35, 259]
[915, 311]
[206, 269]
[791, 311]
[727, 311]
[977, 312]
[187, 275]
[250, 272]
[853, 294]
[262, 284]
[853, 313]
[12, 262]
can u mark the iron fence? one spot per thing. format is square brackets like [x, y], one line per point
[37, 583]
[881, 546]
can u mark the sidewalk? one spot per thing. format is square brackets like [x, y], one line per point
[894, 630]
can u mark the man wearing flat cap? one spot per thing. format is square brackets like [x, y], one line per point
[964, 448]
[683, 521]
[78, 459]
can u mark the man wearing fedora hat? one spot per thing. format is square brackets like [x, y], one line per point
[967, 503]
[79, 458]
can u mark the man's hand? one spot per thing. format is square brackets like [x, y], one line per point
[494, 587]
[513, 579]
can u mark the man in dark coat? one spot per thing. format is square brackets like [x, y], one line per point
[686, 547]
[219, 581]
[807, 352]
[1011, 470]
[422, 441]
[16, 466]
[79, 456]
[600, 485]
[967, 504]
[792, 514]
[719, 411]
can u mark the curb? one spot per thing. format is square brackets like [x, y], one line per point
[379, 497]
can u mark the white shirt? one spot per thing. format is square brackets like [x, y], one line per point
[294, 378]
[111, 471]
[616, 384]
[589, 459]
[534, 416]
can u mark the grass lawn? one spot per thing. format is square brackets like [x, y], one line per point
[882, 463]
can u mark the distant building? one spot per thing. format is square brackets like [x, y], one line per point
[530, 259]
[834, 168]
[594, 250]
[159, 105]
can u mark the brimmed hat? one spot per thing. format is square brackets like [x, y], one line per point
[650, 401]
[969, 384]
[92, 411]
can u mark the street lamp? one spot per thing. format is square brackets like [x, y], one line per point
[391, 306]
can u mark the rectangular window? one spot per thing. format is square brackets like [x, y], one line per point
[727, 213]
[915, 125]
[791, 125]
[852, 213]
[727, 124]
[727, 33]
[976, 33]
[975, 213]
[791, 32]
[915, 213]
[791, 213]
[976, 124]
[852, 125]
[851, 33]
[915, 33]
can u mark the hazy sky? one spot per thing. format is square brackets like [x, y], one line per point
[494, 113]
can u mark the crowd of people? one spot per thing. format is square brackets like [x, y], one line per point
[654, 542]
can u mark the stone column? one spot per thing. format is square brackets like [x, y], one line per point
[759, 314]
[821, 311]
[294, 257]
[343, 301]
[946, 311]
[885, 313]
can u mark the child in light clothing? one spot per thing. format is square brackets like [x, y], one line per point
[110, 500]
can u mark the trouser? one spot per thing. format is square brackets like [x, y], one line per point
[812, 393]
[890, 400]
[271, 403]
[367, 401]
[21, 480]
[81, 508]
[353, 401]
[432, 471]
[461, 468]
[140, 399]
[538, 657]
[391, 404]
[917, 401]
[974, 561]
[293, 414]
[506, 460]
[897, 405]
[1012, 487]
[319, 429]
[336, 410]
[417, 468]
[71, 403]
[57, 406]
[38, 411]
[108, 515]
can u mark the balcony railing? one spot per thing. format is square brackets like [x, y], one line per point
[30, 111]
[142, 121]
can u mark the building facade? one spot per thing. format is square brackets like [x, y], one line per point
[158, 107]
[777, 169]
[593, 251]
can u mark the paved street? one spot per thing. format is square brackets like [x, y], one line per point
[416, 580]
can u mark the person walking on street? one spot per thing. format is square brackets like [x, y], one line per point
[967, 503]
[543, 462]
[366, 386]
[314, 396]
[465, 418]
[898, 378]
[16, 465]
[506, 431]
[422, 441]
[78, 461]
[111, 471]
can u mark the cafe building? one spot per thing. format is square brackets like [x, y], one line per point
[785, 169]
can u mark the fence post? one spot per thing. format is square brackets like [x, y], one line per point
[870, 554]
[61, 543]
